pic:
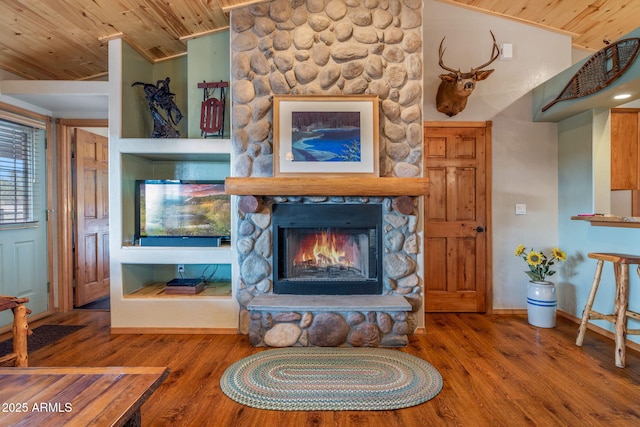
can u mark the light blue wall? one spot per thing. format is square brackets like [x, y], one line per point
[209, 59]
[137, 121]
[136, 118]
[576, 171]
[176, 70]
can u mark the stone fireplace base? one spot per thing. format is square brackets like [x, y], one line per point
[384, 319]
[329, 320]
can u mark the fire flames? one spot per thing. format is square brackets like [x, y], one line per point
[325, 249]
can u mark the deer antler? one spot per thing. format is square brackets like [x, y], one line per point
[495, 52]
[440, 53]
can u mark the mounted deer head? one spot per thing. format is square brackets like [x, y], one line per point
[456, 86]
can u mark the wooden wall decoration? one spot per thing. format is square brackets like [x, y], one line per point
[603, 68]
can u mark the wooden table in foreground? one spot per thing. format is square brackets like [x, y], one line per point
[76, 396]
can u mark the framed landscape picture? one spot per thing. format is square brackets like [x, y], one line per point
[334, 135]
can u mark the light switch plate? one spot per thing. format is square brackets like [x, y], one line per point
[506, 52]
[521, 209]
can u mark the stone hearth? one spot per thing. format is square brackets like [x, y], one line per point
[329, 320]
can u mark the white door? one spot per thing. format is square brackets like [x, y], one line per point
[23, 247]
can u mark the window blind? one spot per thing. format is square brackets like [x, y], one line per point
[18, 171]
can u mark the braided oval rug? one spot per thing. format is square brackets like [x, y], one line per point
[331, 379]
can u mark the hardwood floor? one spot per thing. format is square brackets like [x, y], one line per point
[497, 371]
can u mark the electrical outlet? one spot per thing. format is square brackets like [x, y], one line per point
[181, 268]
[521, 209]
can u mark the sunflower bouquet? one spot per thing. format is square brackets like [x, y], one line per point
[538, 263]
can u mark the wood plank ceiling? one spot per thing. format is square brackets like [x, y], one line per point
[589, 22]
[67, 39]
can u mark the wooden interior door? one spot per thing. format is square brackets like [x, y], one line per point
[457, 259]
[92, 217]
[625, 153]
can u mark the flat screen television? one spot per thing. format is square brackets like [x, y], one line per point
[182, 213]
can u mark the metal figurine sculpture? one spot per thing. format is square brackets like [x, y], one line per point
[160, 97]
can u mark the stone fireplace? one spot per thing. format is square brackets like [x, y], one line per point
[309, 47]
[368, 297]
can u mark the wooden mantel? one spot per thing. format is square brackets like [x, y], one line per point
[326, 186]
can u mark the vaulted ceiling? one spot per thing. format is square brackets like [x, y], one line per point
[67, 39]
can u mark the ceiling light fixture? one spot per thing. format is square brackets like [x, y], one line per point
[622, 96]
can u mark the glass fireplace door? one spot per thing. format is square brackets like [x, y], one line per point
[338, 259]
[327, 254]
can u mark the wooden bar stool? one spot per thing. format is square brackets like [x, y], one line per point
[621, 264]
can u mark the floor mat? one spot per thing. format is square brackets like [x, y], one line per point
[331, 379]
[41, 337]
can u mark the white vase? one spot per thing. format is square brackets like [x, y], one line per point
[541, 304]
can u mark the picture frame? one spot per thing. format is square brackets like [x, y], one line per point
[331, 135]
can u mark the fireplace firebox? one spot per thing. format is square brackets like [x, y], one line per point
[327, 249]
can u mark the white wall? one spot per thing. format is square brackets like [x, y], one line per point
[25, 105]
[525, 170]
[524, 154]
[537, 56]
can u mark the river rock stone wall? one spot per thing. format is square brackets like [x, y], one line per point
[329, 47]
